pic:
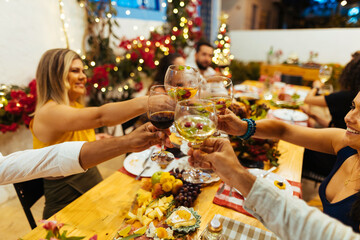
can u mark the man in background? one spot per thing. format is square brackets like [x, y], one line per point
[203, 59]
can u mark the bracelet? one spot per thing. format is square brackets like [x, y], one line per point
[250, 130]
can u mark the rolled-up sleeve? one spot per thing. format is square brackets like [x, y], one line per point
[53, 161]
[291, 218]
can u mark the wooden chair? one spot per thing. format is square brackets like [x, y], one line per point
[290, 79]
[29, 192]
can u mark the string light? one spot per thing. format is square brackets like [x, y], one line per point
[175, 11]
[62, 19]
[108, 15]
[116, 69]
[141, 60]
[182, 4]
[97, 19]
[156, 62]
[128, 12]
[118, 59]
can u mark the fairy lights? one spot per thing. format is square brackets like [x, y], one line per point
[62, 19]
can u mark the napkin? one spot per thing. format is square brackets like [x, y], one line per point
[236, 201]
[235, 230]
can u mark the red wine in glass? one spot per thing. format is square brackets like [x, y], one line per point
[163, 119]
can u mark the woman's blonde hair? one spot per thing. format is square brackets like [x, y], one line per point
[52, 76]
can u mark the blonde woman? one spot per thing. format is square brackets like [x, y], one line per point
[60, 117]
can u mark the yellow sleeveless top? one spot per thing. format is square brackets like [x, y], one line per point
[81, 135]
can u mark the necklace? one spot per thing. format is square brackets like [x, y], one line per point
[347, 181]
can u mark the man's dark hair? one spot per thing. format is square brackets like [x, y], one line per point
[203, 43]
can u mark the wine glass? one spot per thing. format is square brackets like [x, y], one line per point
[325, 73]
[161, 115]
[182, 82]
[326, 89]
[195, 121]
[220, 90]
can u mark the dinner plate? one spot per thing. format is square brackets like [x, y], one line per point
[245, 88]
[290, 115]
[133, 163]
[272, 177]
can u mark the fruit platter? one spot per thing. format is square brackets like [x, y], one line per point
[162, 209]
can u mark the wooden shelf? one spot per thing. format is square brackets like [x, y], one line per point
[308, 74]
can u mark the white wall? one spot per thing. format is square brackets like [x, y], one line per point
[334, 45]
[28, 29]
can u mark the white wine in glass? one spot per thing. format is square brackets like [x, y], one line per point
[195, 121]
[325, 72]
[181, 82]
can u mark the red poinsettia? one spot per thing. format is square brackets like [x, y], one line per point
[100, 76]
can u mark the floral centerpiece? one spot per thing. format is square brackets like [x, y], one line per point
[16, 106]
[253, 152]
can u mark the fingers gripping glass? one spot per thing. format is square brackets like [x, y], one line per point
[195, 121]
[220, 90]
[161, 115]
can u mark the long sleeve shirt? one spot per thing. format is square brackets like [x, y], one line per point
[56, 160]
[291, 218]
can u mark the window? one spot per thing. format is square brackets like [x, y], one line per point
[139, 9]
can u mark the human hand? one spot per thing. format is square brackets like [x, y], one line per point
[231, 124]
[147, 135]
[217, 154]
[100, 136]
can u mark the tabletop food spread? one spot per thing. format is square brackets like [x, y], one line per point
[166, 206]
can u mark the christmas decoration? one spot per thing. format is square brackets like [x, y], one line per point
[16, 106]
[116, 78]
[222, 56]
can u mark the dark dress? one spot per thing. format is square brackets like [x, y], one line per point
[339, 210]
[317, 165]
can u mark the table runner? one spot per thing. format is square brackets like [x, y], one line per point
[235, 230]
[236, 201]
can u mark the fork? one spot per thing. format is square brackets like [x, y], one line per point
[144, 164]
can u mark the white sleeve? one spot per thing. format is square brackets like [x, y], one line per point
[56, 160]
[291, 218]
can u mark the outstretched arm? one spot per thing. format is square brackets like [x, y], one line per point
[327, 140]
[74, 157]
[285, 215]
[53, 119]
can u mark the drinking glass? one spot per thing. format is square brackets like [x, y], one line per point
[220, 90]
[195, 121]
[325, 73]
[326, 89]
[182, 82]
[161, 114]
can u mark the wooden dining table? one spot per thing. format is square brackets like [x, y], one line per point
[102, 209]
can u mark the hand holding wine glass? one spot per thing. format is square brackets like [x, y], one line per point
[161, 114]
[195, 121]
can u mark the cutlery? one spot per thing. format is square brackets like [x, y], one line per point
[144, 164]
[267, 172]
[221, 189]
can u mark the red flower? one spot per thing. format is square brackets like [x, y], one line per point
[8, 128]
[134, 56]
[100, 76]
[14, 107]
[32, 86]
[17, 94]
[28, 103]
[198, 21]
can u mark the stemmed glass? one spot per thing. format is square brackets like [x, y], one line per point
[195, 120]
[325, 73]
[220, 90]
[182, 82]
[161, 115]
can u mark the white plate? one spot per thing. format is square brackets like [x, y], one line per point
[133, 164]
[290, 115]
[271, 177]
[245, 88]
